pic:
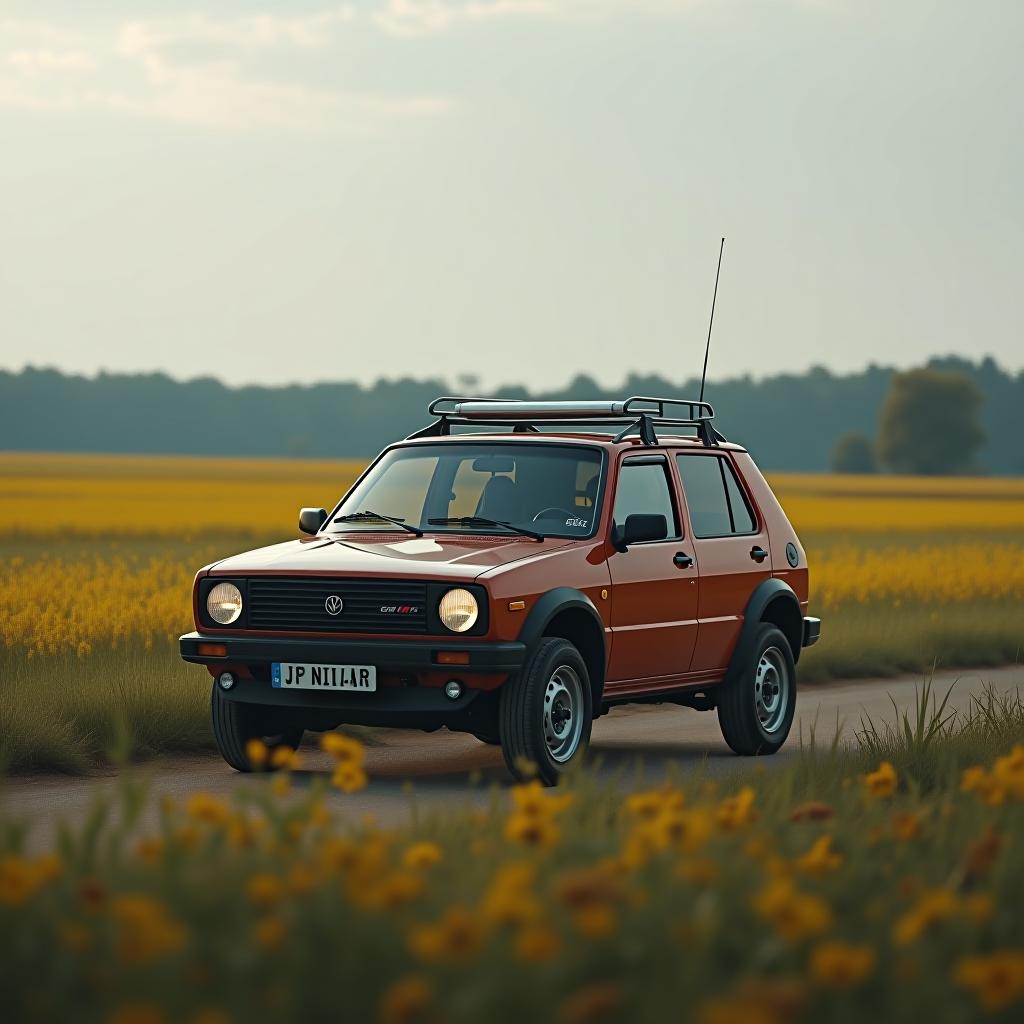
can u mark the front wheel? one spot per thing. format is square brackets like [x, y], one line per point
[235, 723]
[546, 712]
[758, 697]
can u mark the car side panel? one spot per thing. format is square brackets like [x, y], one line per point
[780, 530]
[728, 576]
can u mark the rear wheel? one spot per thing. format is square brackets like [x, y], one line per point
[235, 723]
[755, 709]
[546, 712]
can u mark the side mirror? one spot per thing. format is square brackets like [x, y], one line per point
[641, 526]
[311, 519]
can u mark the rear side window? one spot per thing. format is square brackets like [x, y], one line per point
[717, 504]
[643, 487]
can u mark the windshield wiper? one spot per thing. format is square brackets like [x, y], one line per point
[484, 521]
[356, 517]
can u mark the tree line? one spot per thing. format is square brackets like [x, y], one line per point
[788, 421]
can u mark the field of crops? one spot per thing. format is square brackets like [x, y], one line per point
[97, 555]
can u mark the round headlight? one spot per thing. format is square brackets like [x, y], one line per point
[458, 610]
[224, 603]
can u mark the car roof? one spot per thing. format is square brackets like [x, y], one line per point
[601, 440]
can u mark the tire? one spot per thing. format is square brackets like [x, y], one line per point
[533, 707]
[236, 722]
[758, 697]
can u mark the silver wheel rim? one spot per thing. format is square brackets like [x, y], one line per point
[563, 713]
[771, 690]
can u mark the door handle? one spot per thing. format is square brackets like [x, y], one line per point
[758, 553]
[683, 560]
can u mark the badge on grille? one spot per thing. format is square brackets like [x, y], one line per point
[333, 605]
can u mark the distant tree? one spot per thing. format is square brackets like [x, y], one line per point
[930, 423]
[853, 453]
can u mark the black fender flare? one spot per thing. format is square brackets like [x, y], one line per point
[553, 603]
[765, 593]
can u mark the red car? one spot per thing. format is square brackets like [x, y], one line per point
[516, 578]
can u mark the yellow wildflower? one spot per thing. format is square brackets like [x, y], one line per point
[509, 899]
[907, 826]
[457, 935]
[285, 758]
[208, 809]
[344, 749]
[932, 906]
[737, 811]
[17, 883]
[841, 964]
[652, 803]
[243, 831]
[996, 979]
[1008, 771]
[531, 829]
[882, 781]
[149, 850]
[820, 858]
[257, 752]
[684, 830]
[406, 1001]
[422, 855]
[531, 799]
[349, 777]
[793, 914]
[986, 785]
[264, 889]
[145, 929]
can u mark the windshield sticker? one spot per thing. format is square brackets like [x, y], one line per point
[580, 524]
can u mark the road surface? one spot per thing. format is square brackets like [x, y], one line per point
[442, 770]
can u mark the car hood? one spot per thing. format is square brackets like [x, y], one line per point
[432, 557]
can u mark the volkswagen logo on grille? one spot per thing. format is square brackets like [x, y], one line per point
[333, 605]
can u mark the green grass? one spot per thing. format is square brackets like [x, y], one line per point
[867, 641]
[65, 714]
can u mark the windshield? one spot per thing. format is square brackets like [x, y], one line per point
[472, 488]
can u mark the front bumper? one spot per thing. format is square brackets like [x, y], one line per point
[812, 631]
[400, 656]
[403, 705]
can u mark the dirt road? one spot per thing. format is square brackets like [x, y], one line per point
[446, 770]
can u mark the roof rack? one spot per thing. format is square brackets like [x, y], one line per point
[639, 413]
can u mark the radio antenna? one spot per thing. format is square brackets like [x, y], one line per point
[707, 348]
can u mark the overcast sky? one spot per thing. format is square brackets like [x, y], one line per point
[518, 189]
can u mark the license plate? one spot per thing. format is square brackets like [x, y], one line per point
[288, 676]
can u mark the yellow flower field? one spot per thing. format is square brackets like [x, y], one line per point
[176, 496]
[835, 893]
[98, 553]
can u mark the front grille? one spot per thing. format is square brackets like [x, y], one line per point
[369, 606]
